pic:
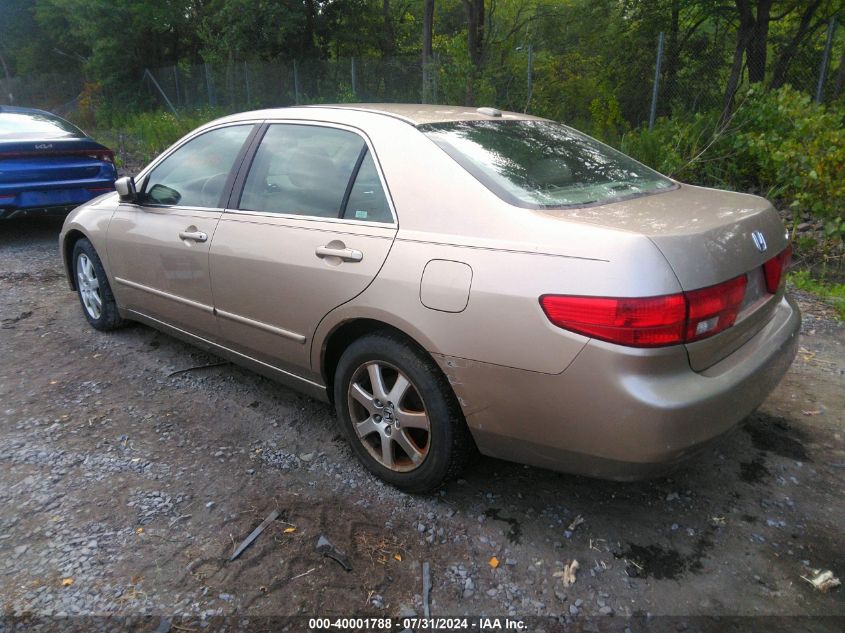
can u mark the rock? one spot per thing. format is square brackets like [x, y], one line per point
[606, 610]
[573, 610]
[306, 457]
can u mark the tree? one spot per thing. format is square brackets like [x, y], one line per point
[427, 37]
[475, 44]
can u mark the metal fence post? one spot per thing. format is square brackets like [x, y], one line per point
[354, 77]
[656, 88]
[530, 83]
[295, 83]
[434, 77]
[147, 73]
[209, 84]
[176, 84]
[825, 61]
[246, 85]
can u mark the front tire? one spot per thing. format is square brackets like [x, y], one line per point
[399, 413]
[92, 286]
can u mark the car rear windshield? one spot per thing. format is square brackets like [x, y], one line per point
[35, 126]
[541, 164]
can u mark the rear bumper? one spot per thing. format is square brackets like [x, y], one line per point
[53, 199]
[58, 211]
[621, 413]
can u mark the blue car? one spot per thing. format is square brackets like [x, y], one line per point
[47, 165]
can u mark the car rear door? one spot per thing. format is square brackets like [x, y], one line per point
[309, 227]
[158, 247]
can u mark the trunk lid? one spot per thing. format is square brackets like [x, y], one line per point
[707, 236]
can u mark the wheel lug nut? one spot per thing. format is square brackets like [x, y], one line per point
[377, 418]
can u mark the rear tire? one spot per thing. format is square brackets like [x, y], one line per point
[400, 414]
[92, 286]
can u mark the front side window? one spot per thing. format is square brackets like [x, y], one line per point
[196, 173]
[541, 164]
[307, 170]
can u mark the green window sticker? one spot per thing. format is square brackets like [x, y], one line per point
[360, 215]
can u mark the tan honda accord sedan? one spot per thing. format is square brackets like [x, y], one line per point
[452, 279]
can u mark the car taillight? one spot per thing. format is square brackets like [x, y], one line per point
[775, 267]
[714, 309]
[106, 155]
[649, 321]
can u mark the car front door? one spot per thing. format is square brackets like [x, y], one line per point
[308, 229]
[158, 246]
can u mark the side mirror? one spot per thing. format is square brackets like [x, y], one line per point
[125, 188]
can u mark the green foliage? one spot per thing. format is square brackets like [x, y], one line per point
[779, 143]
[832, 293]
[142, 136]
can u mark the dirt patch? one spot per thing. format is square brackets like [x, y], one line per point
[124, 491]
[514, 533]
[10, 322]
[753, 472]
[776, 435]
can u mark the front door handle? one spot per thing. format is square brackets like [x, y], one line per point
[196, 236]
[346, 254]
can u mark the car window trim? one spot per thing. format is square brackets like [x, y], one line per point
[352, 178]
[246, 166]
[144, 175]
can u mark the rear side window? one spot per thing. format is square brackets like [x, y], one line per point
[196, 173]
[316, 171]
[366, 196]
[540, 164]
[36, 126]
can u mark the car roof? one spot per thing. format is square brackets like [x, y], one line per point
[413, 113]
[19, 110]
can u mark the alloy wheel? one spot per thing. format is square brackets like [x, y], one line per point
[89, 286]
[389, 416]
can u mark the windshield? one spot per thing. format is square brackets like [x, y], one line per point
[538, 164]
[36, 126]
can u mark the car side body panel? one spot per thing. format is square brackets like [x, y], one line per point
[530, 391]
[156, 272]
[503, 303]
[271, 288]
[616, 413]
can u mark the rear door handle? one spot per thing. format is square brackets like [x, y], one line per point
[346, 254]
[196, 236]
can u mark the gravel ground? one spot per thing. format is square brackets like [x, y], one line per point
[124, 490]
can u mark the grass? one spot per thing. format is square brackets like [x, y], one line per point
[830, 292]
[142, 136]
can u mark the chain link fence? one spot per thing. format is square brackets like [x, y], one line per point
[248, 85]
[573, 86]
